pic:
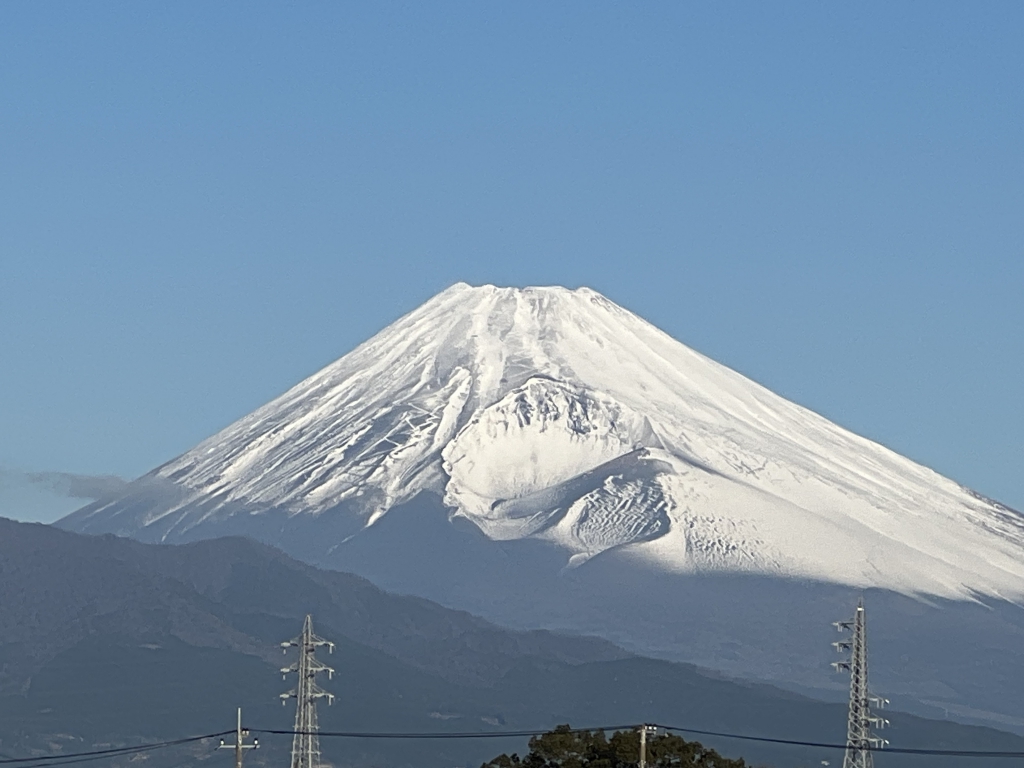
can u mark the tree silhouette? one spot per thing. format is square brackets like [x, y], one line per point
[566, 748]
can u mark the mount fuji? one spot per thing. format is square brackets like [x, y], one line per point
[546, 458]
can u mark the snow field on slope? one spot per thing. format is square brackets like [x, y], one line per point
[525, 410]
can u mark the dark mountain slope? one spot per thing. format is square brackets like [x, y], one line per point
[104, 640]
[59, 587]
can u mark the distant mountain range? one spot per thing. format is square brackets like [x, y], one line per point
[547, 459]
[105, 640]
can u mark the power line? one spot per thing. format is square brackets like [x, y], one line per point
[80, 757]
[832, 745]
[694, 731]
[436, 735]
[54, 761]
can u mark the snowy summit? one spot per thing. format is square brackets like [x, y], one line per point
[555, 414]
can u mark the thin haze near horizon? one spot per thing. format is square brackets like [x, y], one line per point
[201, 205]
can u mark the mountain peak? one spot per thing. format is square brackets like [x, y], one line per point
[555, 414]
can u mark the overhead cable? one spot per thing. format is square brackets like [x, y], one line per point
[677, 729]
[80, 757]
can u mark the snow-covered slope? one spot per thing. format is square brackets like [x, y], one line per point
[553, 414]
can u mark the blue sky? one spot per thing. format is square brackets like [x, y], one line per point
[200, 204]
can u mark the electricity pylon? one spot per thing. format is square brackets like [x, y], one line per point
[306, 742]
[860, 740]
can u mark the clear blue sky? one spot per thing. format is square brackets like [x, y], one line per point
[202, 203]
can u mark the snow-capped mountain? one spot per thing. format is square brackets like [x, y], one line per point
[559, 415]
[546, 458]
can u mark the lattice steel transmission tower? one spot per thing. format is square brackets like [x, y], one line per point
[860, 740]
[306, 742]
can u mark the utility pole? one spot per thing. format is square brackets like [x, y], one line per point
[860, 740]
[306, 742]
[240, 746]
[644, 730]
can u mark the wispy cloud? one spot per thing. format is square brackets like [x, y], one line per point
[73, 486]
